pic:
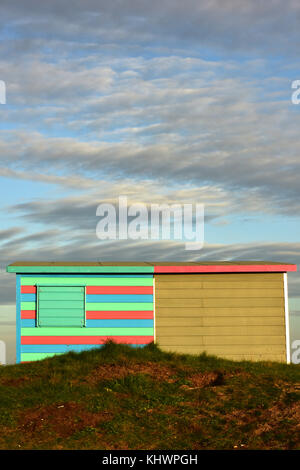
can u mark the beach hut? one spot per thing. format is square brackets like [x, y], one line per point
[235, 310]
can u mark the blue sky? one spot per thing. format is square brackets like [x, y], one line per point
[170, 102]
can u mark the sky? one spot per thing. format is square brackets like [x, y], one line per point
[162, 101]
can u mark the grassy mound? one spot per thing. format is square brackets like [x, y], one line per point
[118, 397]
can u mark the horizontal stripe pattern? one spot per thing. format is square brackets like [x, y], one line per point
[96, 323]
[100, 315]
[64, 348]
[117, 307]
[77, 331]
[96, 339]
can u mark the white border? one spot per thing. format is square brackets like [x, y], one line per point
[154, 324]
[287, 319]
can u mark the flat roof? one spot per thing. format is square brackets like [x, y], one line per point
[148, 266]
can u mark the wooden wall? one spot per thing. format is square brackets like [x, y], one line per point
[117, 307]
[235, 316]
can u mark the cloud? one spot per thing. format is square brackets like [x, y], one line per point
[234, 25]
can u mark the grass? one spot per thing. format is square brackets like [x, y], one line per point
[119, 397]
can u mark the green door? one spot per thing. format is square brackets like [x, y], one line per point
[61, 306]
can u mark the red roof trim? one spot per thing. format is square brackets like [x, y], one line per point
[238, 268]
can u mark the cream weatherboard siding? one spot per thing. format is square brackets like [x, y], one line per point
[233, 315]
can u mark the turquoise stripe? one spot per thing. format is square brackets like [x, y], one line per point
[28, 297]
[27, 323]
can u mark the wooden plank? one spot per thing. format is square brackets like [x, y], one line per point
[60, 289]
[245, 277]
[220, 321]
[48, 322]
[176, 331]
[85, 331]
[277, 357]
[63, 312]
[57, 304]
[190, 340]
[65, 296]
[238, 268]
[235, 349]
[185, 284]
[190, 293]
[240, 302]
[87, 281]
[177, 312]
[95, 339]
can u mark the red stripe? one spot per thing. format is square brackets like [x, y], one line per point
[238, 268]
[85, 339]
[27, 314]
[98, 315]
[28, 289]
[119, 290]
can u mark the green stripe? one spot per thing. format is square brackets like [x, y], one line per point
[28, 305]
[63, 312]
[60, 303]
[59, 331]
[60, 296]
[58, 321]
[50, 289]
[115, 306]
[80, 269]
[37, 356]
[85, 281]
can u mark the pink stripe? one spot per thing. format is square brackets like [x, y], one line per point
[85, 339]
[119, 290]
[98, 315]
[28, 289]
[27, 314]
[241, 268]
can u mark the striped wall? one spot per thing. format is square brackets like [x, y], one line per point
[117, 307]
